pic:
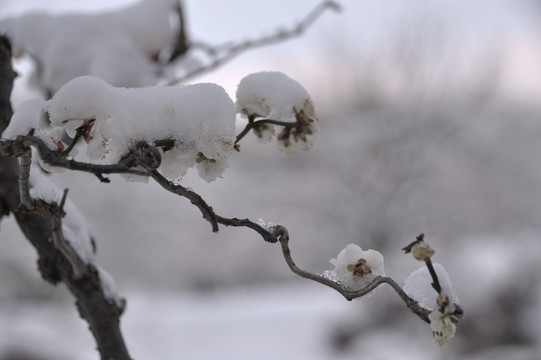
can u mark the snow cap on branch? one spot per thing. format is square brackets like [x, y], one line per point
[356, 268]
[418, 287]
[274, 95]
[197, 121]
[31, 116]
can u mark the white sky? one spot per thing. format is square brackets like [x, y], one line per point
[359, 27]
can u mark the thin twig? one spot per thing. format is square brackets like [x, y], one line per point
[74, 142]
[25, 161]
[77, 264]
[267, 235]
[223, 53]
[348, 294]
[181, 45]
[53, 158]
[253, 124]
[195, 198]
[435, 281]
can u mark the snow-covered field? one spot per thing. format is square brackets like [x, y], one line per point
[288, 321]
[293, 321]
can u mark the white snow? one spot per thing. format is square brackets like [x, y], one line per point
[267, 225]
[272, 95]
[116, 45]
[199, 118]
[418, 287]
[74, 226]
[109, 287]
[30, 115]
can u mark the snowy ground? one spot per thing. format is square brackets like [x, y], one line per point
[288, 321]
[277, 322]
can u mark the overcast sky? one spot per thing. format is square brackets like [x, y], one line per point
[362, 26]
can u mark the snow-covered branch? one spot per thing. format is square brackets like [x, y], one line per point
[53, 158]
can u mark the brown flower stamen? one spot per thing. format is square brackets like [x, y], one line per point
[361, 269]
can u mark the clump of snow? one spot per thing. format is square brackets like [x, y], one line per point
[274, 95]
[418, 287]
[109, 287]
[74, 226]
[31, 116]
[119, 46]
[198, 119]
[270, 94]
[330, 275]
[266, 225]
[356, 268]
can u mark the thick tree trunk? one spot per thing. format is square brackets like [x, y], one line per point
[101, 314]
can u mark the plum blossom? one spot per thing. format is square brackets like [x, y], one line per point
[356, 268]
[264, 132]
[275, 96]
[442, 321]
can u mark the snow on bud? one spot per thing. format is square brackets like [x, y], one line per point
[275, 96]
[355, 268]
[418, 287]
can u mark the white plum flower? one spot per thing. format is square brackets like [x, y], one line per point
[264, 132]
[210, 169]
[356, 268]
[442, 321]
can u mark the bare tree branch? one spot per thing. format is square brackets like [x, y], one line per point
[220, 54]
[181, 45]
[17, 148]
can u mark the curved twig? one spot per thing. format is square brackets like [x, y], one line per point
[224, 53]
[267, 235]
[253, 124]
[348, 294]
[195, 198]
